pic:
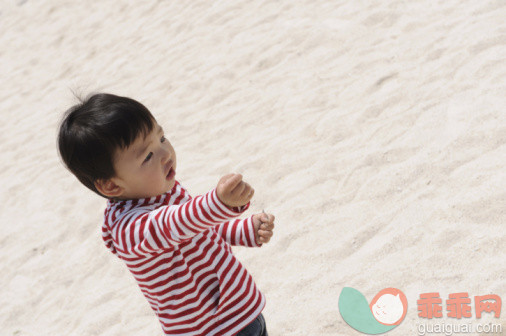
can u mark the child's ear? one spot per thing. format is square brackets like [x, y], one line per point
[108, 188]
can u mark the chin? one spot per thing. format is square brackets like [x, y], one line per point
[171, 184]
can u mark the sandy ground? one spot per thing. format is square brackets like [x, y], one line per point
[374, 131]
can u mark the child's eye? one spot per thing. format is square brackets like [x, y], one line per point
[148, 157]
[162, 138]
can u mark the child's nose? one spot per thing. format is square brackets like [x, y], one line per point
[165, 155]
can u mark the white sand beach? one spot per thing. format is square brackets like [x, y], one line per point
[375, 132]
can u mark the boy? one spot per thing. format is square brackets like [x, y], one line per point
[177, 247]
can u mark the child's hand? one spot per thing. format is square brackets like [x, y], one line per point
[263, 224]
[233, 191]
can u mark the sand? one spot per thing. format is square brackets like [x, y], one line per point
[375, 132]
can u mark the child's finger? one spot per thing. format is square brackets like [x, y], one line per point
[267, 226]
[246, 190]
[267, 218]
[264, 240]
[232, 182]
[265, 234]
[251, 193]
[264, 217]
[239, 188]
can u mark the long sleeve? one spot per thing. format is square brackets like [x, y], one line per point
[142, 232]
[238, 232]
[185, 270]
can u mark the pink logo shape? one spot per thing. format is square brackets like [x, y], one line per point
[389, 306]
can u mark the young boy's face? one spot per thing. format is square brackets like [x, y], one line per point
[147, 167]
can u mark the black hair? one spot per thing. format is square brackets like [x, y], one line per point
[92, 131]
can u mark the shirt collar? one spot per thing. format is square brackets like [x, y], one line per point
[142, 201]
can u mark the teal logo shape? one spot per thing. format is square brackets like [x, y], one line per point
[385, 312]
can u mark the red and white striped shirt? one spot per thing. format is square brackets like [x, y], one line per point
[178, 250]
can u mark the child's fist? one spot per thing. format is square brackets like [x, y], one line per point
[233, 191]
[263, 224]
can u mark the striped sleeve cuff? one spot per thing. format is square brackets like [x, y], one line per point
[230, 211]
[249, 233]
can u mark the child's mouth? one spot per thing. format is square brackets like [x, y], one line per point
[171, 174]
